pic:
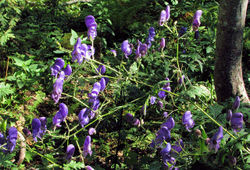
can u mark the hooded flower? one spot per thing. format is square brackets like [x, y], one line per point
[87, 147]
[214, 142]
[162, 135]
[132, 120]
[70, 151]
[152, 100]
[162, 43]
[92, 26]
[165, 15]
[236, 104]
[95, 103]
[160, 104]
[237, 121]
[77, 53]
[43, 128]
[101, 69]
[187, 120]
[196, 20]
[177, 147]
[84, 117]
[89, 167]
[67, 70]
[162, 94]
[36, 125]
[114, 52]
[58, 87]
[11, 139]
[95, 91]
[92, 33]
[57, 66]
[60, 115]
[141, 50]
[92, 131]
[102, 83]
[169, 123]
[166, 157]
[126, 48]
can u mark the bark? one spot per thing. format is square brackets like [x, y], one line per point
[229, 42]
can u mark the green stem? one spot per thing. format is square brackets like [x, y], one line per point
[214, 120]
[43, 156]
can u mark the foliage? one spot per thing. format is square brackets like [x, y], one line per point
[35, 33]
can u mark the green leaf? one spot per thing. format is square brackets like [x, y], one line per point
[73, 165]
[73, 37]
[6, 89]
[133, 68]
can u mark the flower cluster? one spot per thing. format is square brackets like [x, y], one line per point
[92, 26]
[162, 94]
[165, 15]
[9, 144]
[58, 85]
[151, 35]
[39, 127]
[82, 51]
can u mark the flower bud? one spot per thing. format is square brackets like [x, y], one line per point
[236, 104]
[198, 132]
[229, 115]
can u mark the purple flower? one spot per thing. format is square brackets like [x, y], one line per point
[95, 103]
[152, 100]
[160, 104]
[141, 50]
[101, 69]
[169, 123]
[236, 104]
[92, 131]
[182, 31]
[165, 114]
[114, 52]
[166, 157]
[89, 167]
[87, 147]
[95, 91]
[129, 117]
[92, 33]
[151, 36]
[90, 21]
[36, 125]
[60, 115]
[11, 139]
[177, 148]
[43, 128]
[167, 13]
[57, 66]
[181, 80]
[102, 83]
[229, 115]
[162, 43]
[187, 120]
[163, 16]
[162, 94]
[83, 117]
[126, 48]
[162, 135]
[77, 53]
[196, 20]
[237, 121]
[136, 122]
[58, 87]
[214, 142]
[70, 151]
[2, 139]
[68, 70]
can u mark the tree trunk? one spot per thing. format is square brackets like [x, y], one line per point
[229, 42]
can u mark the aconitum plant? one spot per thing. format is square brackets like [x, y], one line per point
[58, 87]
[236, 103]
[141, 50]
[11, 139]
[84, 117]
[36, 126]
[70, 151]
[87, 147]
[237, 122]
[187, 120]
[92, 26]
[165, 15]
